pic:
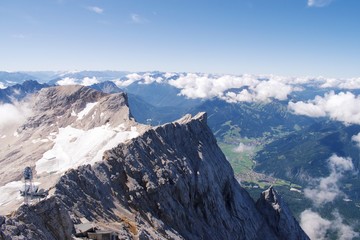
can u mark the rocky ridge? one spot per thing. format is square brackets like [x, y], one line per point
[171, 182]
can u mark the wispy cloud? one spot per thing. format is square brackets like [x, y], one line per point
[318, 3]
[343, 107]
[136, 18]
[327, 189]
[13, 114]
[317, 227]
[95, 9]
[356, 138]
[243, 148]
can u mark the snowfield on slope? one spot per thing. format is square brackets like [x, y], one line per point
[75, 147]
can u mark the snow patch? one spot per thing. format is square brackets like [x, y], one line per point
[74, 147]
[295, 190]
[10, 192]
[86, 110]
[37, 140]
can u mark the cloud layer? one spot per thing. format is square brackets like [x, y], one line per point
[245, 88]
[241, 88]
[343, 107]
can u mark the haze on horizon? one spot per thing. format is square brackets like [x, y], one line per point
[282, 37]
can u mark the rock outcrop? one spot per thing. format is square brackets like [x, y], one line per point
[278, 216]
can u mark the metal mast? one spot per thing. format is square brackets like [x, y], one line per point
[28, 187]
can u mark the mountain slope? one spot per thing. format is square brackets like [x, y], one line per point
[64, 127]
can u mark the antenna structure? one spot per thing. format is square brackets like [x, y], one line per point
[28, 185]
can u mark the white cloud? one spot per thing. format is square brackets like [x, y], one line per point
[13, 114]
[130, 79]
[317, 227]
[342, 107]
[244, 148]
[87, 81]
[318, 3]
[136, 18]
[302, 108]
[266, 90]
[356, 138]
[314, 225]
[2, 85]
[67, 81]
[326, 189]
[96, 9]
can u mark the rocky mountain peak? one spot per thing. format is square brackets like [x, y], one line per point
[278, 215]
[200, 117]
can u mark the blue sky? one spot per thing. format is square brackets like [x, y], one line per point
[282, 37]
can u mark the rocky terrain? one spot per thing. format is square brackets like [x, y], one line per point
[56, 129]
[167, 182]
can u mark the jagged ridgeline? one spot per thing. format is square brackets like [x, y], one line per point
[166, 182]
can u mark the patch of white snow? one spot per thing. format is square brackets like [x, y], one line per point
[86, 110]
[10, 192]
[74, 147]
[295, 190]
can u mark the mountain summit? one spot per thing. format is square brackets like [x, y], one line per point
[166, 182]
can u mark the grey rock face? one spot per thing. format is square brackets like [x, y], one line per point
[45, 220]
[278, 216]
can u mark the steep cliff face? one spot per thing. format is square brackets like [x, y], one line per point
[174, 174]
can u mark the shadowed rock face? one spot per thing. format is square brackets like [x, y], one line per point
[45, 220]
[171, 182]
[278, 216]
